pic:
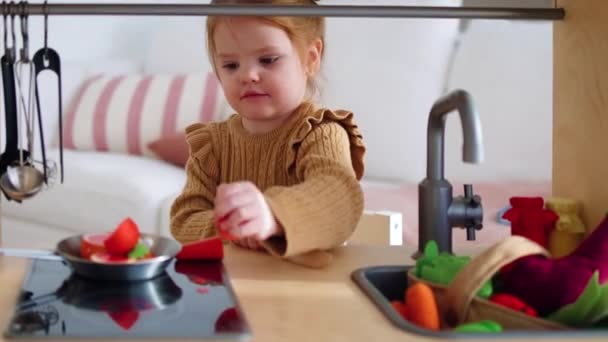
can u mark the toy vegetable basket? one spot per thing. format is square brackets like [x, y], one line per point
[458, 303]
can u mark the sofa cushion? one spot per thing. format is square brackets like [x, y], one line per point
[125, 113]
[100, 190]
[172, 149]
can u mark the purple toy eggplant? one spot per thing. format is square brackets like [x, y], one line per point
[548, 284]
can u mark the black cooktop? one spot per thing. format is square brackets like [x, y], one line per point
[191, 300]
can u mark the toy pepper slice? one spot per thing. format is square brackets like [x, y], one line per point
[207, 249]
[512, 302]
[123, 239]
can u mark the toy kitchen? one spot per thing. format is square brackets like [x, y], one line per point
[255, 296]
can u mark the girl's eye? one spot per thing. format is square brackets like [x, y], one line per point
[268, 60]
[230, 66]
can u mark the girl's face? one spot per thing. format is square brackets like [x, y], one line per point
[260, 70]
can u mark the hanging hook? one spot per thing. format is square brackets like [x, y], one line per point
[45, 10]
[13, 10]
[25, 55]
[5, 15]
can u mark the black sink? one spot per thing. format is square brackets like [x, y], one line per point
[383, 284]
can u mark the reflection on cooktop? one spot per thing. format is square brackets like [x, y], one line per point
[191, 300]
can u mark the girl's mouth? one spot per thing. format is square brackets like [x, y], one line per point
[252, 95]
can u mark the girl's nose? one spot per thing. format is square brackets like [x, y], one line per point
[249, 75]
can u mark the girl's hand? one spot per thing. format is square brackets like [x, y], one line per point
[250, 243]
[242, 212]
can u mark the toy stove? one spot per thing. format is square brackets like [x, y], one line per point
[191, 300]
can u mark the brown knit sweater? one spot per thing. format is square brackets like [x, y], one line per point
[308, 170]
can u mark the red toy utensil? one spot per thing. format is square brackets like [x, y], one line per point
[223, 233]
[207, 249]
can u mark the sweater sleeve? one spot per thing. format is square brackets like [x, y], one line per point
[322, 211]
[192, 211]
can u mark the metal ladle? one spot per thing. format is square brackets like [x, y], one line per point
[23, 180]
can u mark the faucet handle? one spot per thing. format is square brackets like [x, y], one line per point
[477, 225]
[473, 202]
[466, 212]
[472, 199]
[468, 190]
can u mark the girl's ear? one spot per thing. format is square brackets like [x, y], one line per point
[313, 54]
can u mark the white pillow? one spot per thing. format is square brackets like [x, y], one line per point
[125, 113]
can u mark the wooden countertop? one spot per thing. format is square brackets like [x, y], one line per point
[285, 302]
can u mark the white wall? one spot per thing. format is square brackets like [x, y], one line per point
[507, 67]
[388, 71]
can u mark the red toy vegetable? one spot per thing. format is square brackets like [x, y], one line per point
[513, 302]
[400, 307]
[529, 219]
[123, 239]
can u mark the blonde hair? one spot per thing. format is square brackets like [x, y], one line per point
[302, 31]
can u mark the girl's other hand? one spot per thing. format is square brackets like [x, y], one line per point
[250, 243]
[242, 211]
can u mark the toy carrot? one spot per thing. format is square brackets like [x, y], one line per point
[421, 306]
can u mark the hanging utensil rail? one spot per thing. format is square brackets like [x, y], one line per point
[321, 10]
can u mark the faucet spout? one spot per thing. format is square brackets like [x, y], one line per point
[472, 148]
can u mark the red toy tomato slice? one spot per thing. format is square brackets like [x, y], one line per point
[106, 258]
[207, 249]
[92, 243]
[123, 239]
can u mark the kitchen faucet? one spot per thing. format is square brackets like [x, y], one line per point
[438, 212]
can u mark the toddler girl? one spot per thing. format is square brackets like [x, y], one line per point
[282, 174]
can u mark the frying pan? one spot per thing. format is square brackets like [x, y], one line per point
[68, 251]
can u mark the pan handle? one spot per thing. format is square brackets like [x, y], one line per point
[31, 254]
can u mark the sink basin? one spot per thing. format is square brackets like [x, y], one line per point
[383, 284]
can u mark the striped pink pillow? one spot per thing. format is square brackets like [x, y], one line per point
[126, 113]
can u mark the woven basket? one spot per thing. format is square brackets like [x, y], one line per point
[458, 303]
